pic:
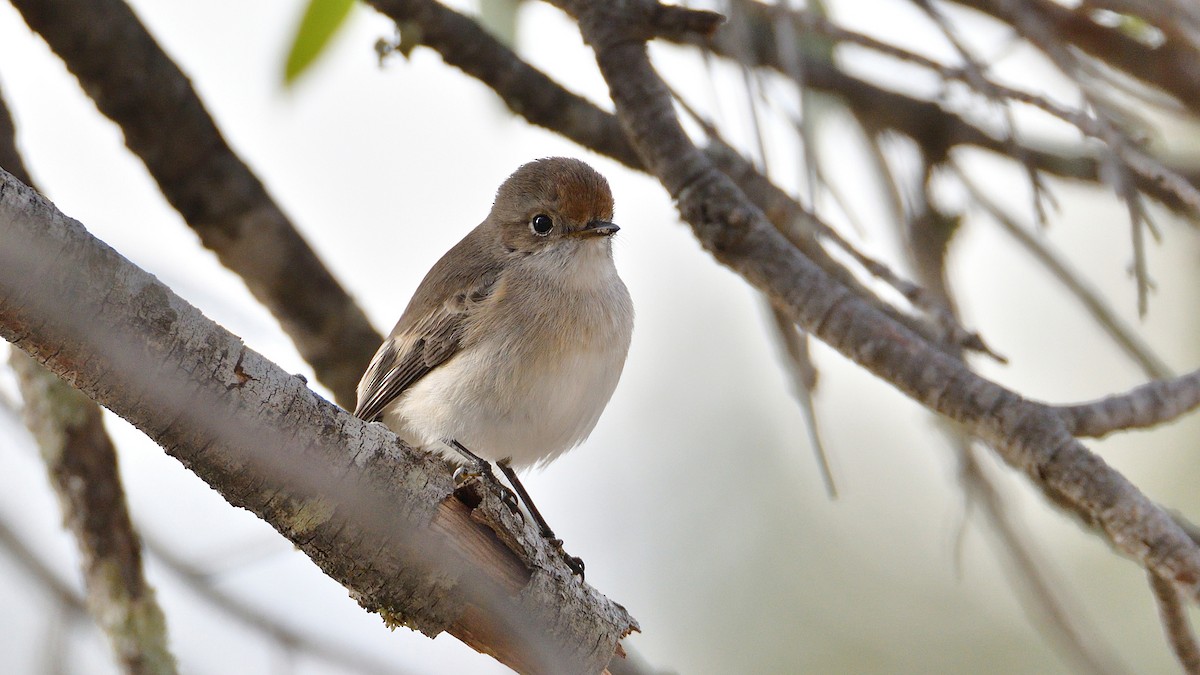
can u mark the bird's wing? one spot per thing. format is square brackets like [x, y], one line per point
[417, 346]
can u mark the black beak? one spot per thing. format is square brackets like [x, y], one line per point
[599, 228]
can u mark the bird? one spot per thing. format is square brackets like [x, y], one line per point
[513, 343]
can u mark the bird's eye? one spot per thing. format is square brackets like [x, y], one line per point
[541, 224]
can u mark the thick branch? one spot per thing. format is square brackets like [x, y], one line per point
[137, 85]
[468, 47]
[464, 44]
[83, 470]
[1029, 436]
[82, 463]
[374, 515]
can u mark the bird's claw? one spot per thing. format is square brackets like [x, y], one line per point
[463, 475]
[574, 562]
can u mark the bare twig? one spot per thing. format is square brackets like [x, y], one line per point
[374, 515]
[164, 122]
[803, 374]
[1107, 319]
[1171, 66]
[1029, 436]
[1104, 127]
[936, 130]
[1044, 595]
[1146, 406]
[974, 74]
[82, 463]
[1178, 628]
[253, 616]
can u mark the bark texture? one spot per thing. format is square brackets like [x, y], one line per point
[136, 84]
[376, 516]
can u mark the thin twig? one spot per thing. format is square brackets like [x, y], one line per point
[1044, 595]
[1176, 625]
[1106, 318]
[201, 583]
[804, 379]
[1028, 435]
[1142, 407]
[62, 593]
[134, 82]
[1167, 183]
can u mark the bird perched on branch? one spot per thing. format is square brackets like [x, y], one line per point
[513, 343]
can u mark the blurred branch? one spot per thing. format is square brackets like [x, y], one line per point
[1045, 594]
[933, 128]
[137, 85]
[200, 584]
[1176, 625]
[1146, 406]
[1171, 66]
[1105, 317]
[803, 374]
[464, 44]
[376, 516]
[63, 594]
[1029, 436]
[83, 471]
[293, 640]
[10, 156]
[1044, 597]
[82, 463]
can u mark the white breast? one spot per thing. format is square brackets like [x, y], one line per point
[534, 385]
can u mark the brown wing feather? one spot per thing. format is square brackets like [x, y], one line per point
[431, 329]
[397, 366]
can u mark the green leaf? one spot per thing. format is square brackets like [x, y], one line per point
[321, 20]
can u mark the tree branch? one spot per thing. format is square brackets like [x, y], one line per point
[83, 471]
[1029, 436]
[464, 44]
[136, 84]
[82, 463]
[1171, 66]
[935, 129]
[379, 518]
[1176, 625]
[1146, 406]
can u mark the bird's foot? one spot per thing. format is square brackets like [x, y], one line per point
[574, 562]
[481, 470]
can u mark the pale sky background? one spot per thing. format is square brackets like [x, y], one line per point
[696, 503]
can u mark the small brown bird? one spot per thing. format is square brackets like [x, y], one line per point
[514, 341]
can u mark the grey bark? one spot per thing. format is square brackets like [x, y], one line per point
[374, 515]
